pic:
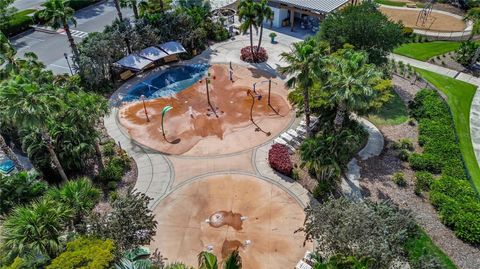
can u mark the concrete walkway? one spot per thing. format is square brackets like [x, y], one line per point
[350, 184]
[475, 106]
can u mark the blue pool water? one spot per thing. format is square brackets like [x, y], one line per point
[173, 80]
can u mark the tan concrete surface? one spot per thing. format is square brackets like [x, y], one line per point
[272, 218]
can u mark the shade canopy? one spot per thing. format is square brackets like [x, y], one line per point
[172, 47]
[134, 62]
[321, 6]
[153, 53]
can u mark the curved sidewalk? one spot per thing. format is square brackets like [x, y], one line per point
[475, 106]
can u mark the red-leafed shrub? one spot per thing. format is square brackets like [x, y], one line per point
[279, 159]
[260, 56]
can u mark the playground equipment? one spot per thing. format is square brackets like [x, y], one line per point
[425, 13]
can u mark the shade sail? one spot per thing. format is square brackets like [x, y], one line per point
[153, 53]
[134, 62]
[172, 47]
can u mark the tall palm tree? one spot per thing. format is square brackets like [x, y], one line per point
[35, 228]
[264, 12]
[119, 9]
[248, 15]
[233, 261]
[305, 68]
[7, 53]
[207, 260]
[351, 81]
[131, 4]
[59, 15]
[28, 104]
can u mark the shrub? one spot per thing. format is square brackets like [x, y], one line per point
[279, 159]
[109, 148]
[403, 143]
[399, 179]
[114, 170]
[423, 181]
[85, 252]
[407, 31]
[425, 162]
[452, 195]
[325, 188]
[19, 189]
[257, 57]
[295, 174]
[19, 22]
[404, 155]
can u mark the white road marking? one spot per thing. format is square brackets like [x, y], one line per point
[64, 67]
[76, 33]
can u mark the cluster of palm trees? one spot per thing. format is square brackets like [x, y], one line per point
[343, 80]
[44, 109]
[253, 15]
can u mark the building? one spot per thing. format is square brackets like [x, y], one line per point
[306, 14]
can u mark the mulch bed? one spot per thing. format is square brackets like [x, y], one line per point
[377, 184]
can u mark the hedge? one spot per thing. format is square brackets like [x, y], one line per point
[452, 195]
[19, 22]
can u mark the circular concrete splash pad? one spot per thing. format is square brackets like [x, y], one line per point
[265, 237]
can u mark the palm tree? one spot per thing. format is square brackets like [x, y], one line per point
[59, 15]
[119, 9]
[132, 4]
[35, 228]
[305, 66]
[79, 195]
[207, 260]
[264, 12]
[248, 14]
[7, 54]
[29, 105]
[351, 81]
[153, 6]
[233, 261]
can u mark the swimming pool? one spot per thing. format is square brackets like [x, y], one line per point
[173, 80]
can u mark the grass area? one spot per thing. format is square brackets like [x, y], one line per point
[426, 50]
[423, 246]
[25, 12]
[391, 3]
[459, 98]
[392, 113]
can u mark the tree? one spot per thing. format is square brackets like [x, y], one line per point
[119, 9]
[351, 82]
[30, 105]
[79, 195]
[85, 252]
[360, 229]
[364, 27]
[36, 228]
[59, 15]
[305, 63]
[132, 4]
[473, 15]
[264, 12]
[130, 222]
[248, 15]
[6, 11]
[10, 154]
[19, 189]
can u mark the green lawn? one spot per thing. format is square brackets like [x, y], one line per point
[423, 245]
[392, 113]
[391, 3]
[459, 98]
[426, 50]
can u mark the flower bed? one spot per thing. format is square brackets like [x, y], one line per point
[279, 159]
[258, 57]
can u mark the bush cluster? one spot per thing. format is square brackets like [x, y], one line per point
[18, 23]
[257, 57]
[452, 195]
[423, 181]
[399, 179]
[113, 172]
[279, 159]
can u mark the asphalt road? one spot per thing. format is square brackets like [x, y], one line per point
[50, 47]
[27, 4]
